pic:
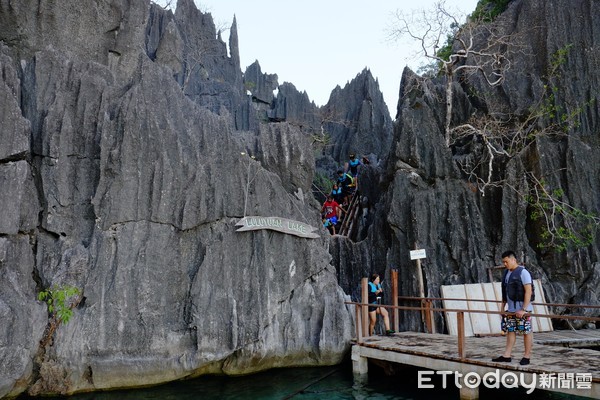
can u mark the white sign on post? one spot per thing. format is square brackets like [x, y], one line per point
[417, 254]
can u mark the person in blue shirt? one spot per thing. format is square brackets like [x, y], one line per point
[375, 295]
[337, 193]
[329, 225]
[352, 165]
[346, 182]
[517, 290]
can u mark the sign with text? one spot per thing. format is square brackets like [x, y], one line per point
[417, 254]
[283, 225]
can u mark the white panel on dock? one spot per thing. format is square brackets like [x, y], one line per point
[481, 326]
[485, 324]
[492, 292]
[456, 292]
[541, 324]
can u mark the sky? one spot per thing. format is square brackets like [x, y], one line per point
[319, 44]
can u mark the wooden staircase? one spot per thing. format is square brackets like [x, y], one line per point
[352, 215]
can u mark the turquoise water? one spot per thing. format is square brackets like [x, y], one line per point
[309, 384]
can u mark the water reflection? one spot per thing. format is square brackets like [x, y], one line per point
[331, 383]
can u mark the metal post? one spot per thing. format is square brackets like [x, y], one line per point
[395, 313]
[364, 284]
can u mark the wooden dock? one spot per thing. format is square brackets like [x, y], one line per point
[578, 368]
[570, 338]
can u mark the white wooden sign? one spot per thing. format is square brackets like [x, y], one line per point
[417, 254]
[283, 225]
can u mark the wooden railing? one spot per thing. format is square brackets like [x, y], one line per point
[427, 309]
[352, 214]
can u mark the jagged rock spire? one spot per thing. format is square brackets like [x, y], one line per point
[234, 48]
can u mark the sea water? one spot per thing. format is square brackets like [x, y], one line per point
[310, 384]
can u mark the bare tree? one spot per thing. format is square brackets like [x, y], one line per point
[447, 42]
[478, 47]
[166, 4]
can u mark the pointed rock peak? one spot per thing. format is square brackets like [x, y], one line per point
[407, 81]
[365, 81]
[234, 48]
[255, 65]
[186, 5]
[366, 76]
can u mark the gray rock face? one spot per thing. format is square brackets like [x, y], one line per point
[20, 208]
[126, 161]
[260, 85]
[427, 202]
[23, 318]
[125, 183]
[21, 27]
[294, 107]
[570, 162]
[357, 119]
[16, 129]
[21, 314]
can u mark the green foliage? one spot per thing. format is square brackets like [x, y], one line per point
[250, 85]
[322, 183]
[558, 59]
[59, 301]
[562, 225]
[323, 139]
[563, 120]
[488, 10]
[446, 51]
[429, 70]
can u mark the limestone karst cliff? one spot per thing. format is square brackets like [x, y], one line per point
[427, 200]
[121, 168]
[124, 167]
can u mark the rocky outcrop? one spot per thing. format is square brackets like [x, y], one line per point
[294, 107]
[357, 119]
[131, 149]
[23, 318]
[128, 168]
[429, 203]
[558, 57]
[260, 86]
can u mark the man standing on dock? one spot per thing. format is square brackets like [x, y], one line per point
[517, 289]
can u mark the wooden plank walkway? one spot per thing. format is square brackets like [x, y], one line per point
[440, 352]
[569, 338]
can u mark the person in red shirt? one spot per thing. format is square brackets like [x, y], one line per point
[331, 211]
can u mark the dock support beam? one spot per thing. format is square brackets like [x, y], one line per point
[467, 393]
[364, 289]
[360, 365]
